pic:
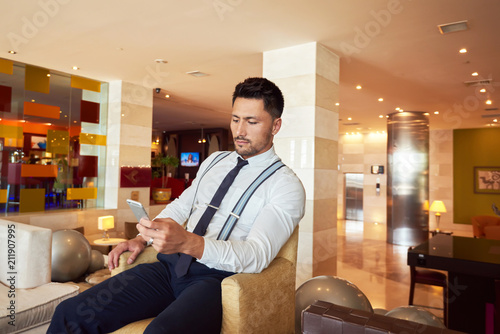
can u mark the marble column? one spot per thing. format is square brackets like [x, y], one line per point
[308, 75]
[130, 116]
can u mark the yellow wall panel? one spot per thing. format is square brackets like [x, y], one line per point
[92, 139]
[28, 170]
[58, 141]
[9, 131]
[32, 200]
[42, 110]
[6, 66]
[81, 193]
[3, 195]
[84, 83]
[37, 79]
[13, 142]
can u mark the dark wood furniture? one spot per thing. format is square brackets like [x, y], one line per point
[473, 267]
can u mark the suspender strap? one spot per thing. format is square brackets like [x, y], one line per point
[242, 202]
[213, 163]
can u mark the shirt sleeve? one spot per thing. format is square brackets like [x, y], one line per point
[272, 228]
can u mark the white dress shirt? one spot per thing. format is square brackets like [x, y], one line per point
[266, 223]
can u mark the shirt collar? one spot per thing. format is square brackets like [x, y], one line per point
[259, 159]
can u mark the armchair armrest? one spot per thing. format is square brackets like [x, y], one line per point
[257, 303]
[147, 256]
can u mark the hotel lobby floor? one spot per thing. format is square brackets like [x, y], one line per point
[379, 269]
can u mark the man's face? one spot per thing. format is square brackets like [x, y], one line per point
[253, 128]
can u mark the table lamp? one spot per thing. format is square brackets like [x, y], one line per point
[106, 223]
[437, 207]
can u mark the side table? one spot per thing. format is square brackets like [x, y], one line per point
[108, 242]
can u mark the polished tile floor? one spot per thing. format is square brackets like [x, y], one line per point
[379, 269]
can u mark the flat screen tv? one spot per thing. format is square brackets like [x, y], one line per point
[190, 159]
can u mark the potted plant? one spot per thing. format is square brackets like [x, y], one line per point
[166, 163]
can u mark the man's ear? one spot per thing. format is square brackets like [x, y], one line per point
[276, 126]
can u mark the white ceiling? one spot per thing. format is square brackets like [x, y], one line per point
[396, 52]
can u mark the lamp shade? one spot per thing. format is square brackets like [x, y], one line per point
[437, 206]
[106, 222]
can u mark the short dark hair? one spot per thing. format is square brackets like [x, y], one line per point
[261, 89]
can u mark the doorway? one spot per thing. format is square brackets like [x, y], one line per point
[353, 196]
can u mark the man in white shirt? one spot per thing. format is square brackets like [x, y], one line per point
[190, 302]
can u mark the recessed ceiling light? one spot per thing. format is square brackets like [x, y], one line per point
[436, 112]
[167, 96]
[475, 74]
[358, 87]
[482, 90]
[488, 102]
[397, 108]
[495, 120]
[380, 116]
[380, 99]
[12, 52]
[463, 50]
[76, 68]
[337, 104]
[48, 75]
[386, 116]
[161, 61]
[401, 110]
[32, 100]
[349, 118]
[426, 114]
[197, 74]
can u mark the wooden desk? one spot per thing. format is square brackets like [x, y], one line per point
[473, 265]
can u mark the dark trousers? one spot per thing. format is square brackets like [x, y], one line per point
[190, 304]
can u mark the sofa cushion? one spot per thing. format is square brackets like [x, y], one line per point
[27, 254]
[33, 307]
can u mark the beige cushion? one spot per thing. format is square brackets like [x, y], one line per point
[31, 246]
[34, 307]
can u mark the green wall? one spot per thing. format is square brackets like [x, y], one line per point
[473, 148]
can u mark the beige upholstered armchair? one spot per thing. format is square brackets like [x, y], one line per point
[486, 227]
[251, 303]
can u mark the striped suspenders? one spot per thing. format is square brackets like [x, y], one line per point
[242, 202]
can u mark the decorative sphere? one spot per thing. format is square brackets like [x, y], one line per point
[416, 314]
[96, 261]
[71, 255]
[330, 289]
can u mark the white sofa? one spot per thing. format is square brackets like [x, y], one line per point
[27, 296]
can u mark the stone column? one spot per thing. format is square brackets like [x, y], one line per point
[308, 75]
[130, 116]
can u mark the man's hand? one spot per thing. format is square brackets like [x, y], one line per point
[136, 246]
[169, 237]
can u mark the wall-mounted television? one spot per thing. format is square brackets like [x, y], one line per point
[190, 159]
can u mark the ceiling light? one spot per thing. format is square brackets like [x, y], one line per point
[482, 90]
[401, 110]
[426, 114]
[12, 52]
[76, 68]
[488, 102]
[380, 116]
[358, 87]
[386, 116]
[495, 120]
[475, 74]
[380, 99]
[161, 61]
[464, 50]
[453, 27]
[48, 75]
[197, 74]
[337, 104]
[398, 108]
[436, 112]
[349, 118]
[167, 96]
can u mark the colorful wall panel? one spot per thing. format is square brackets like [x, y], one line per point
[89, 112]
[28, 170]
[6, 66]
[5, 98]
[84, 83]
[32, 200]
[81, 193]
[37, 79]
[41, 110]
[92, 139]
[87, 166]
[57, 142]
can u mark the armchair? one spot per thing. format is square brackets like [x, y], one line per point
[479, 224]
[251, 303]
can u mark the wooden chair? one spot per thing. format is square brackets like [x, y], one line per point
[429, 277]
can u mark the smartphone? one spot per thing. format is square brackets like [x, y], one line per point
[138, 209]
